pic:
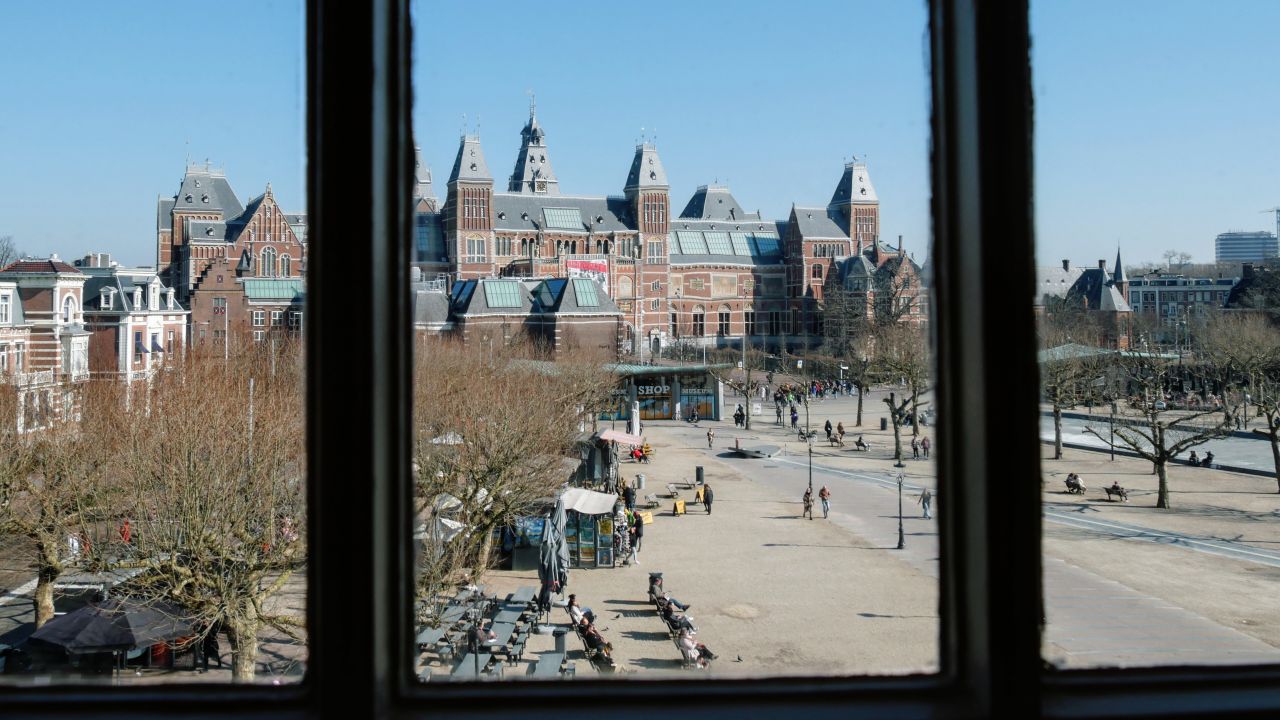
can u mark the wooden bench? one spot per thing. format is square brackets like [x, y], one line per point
[672, 490]
[1123, 493]
[651, 501]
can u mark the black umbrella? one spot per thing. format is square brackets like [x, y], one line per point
[114, 625]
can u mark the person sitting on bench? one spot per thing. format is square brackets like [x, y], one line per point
[1208, 459]
[1194, 459]
[666, 599]
[594, 639]
[694, 651]
[860, 443]
[578, 613]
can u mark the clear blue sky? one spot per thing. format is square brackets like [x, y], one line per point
[1156, 126]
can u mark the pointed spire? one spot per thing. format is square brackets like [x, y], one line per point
[533, 173]
[646, 169]
[854, 186]
[421, 176]
[1118, 275]
[470, 164]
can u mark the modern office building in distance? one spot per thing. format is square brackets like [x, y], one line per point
[1246, 246]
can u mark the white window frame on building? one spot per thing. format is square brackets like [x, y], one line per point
[259, 318]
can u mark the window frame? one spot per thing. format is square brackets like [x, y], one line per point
[359, 416]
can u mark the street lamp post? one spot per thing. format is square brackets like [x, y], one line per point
[808, 432]
[1113, 430]
[902, 538]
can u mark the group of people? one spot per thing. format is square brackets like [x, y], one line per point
[585, 622]
[1197, 461]
[628, 527]
[641, 453]
[919, 445]
[695, 652]
[824, 495]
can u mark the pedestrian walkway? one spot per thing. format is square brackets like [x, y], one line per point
[1094, 621]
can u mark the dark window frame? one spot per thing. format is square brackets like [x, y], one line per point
[360, 657]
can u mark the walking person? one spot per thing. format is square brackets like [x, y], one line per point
[209, 646]
[637, 534]
[915, 448]
[707, 497]
[711, 435]
[825, 496]
[827, 427]
[924, 445]
[795, 418]
[926, 501]
[808, 504]
[778, 409]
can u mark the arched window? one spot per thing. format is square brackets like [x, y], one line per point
[624, 287]
[286, 266]
[724, 315]
[68, 309]
[699, 321]
[267, 267]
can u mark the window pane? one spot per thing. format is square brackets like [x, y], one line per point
[1158, 342]
[591, 382]
[152, 454]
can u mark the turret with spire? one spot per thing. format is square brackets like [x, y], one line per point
[424, 199]
[1119, 278]
[533, 173]
[647, 190]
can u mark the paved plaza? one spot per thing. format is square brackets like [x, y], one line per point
[773, 593]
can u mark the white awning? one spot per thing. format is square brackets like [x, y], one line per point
[619, 436]
[589, 502]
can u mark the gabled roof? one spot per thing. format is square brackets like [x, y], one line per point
[715, 202]
[646, 169]
[470, 165]
[164, 213]
[576, 296]
[206, 190]
[1097, 291]
[854, 186]
[40, 267]
[490, 296]
[820, 224]
[1055, 282]
[525, 212]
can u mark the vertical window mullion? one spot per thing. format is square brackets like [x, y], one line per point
[987, 382]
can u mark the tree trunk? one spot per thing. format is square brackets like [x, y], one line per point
[915, 414]
[1162, 498]
[242, 634]
[862, 390]
[1057, 431]
[897, 436]
[47, 572]
[1274, 434]
[746, 406]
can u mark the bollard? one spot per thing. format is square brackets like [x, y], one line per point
[699, 480]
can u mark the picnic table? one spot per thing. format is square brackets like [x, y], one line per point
[466, 667]
[453, 614]
[430, 636]
[508, 615]
[547, 665]
[523, 595]
[502, 632]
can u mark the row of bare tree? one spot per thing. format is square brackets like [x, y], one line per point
[496, 436]
[195, 477]
[1168, 399]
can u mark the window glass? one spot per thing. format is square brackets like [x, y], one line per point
[545, 391]
[152, 464]
[1158, 408]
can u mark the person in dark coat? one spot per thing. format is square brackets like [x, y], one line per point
[209, 646]
[707, 497]
[629, 497]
